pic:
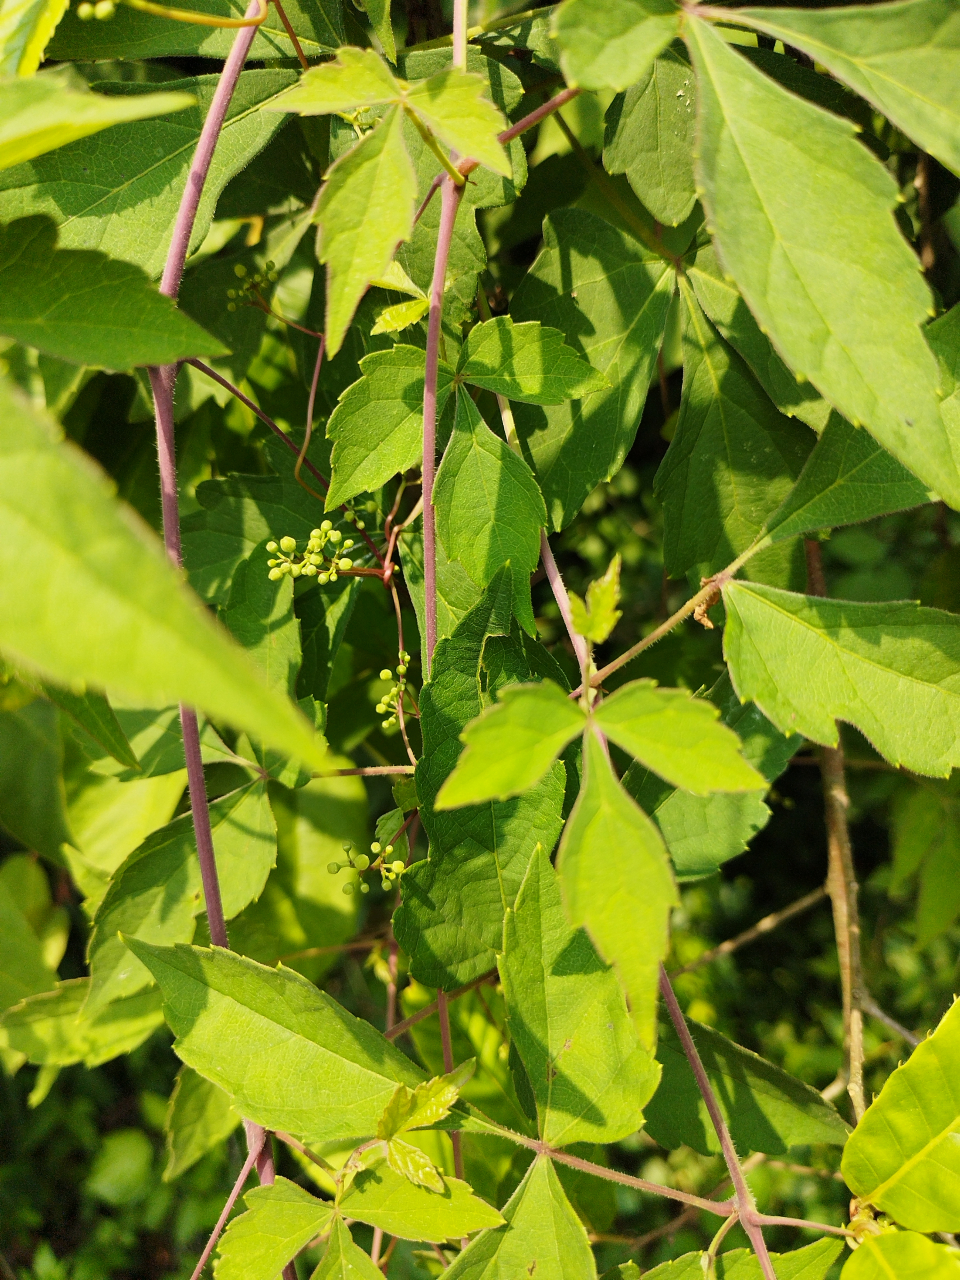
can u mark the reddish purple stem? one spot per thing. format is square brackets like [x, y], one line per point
[450, 202]
[563, 603]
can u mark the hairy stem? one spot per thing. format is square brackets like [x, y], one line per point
[450, 197]
[255, 1142]
[763, 926]
[723, 1208]
[563, 603]
[841, 881]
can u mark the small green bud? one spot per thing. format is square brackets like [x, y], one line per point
[273, 276]
[361, 525]
[315, 533]
[364, 888]
[335, 535]
[361, 862]
[104, 9]
[346, 846]
[384, 885]
[84, 12]
[370, 506]
[272, 546]
[375, 847]
[313, 558]
[397, 866]
[385, 673]
[333, 577]
[348, 544]
[326, 526]
[345, 564]
[231, 306]
[239, 270]
[388, 849]
[309, 570]
[288, 544]
[275, 575]
[380, 709]
[387, 723]
[401, 670]
[333, 868]
[323, 579]
[348, 889]
[296, 570]
[231, 293]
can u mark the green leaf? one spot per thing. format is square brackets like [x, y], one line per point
[26, 884]
[525, 362]
[56, 107]
[32, 798]
[133, 627]
[926, 837]
[624, 901]
[366, 209]
[765, 1108]
[412, 1165]
[259, 614]
[677, 736]
[596, 617]
[904, 1157]
[25, 31]
[903, 1255]
[377, 426]
[649, 136]
[452, 106]
[733, 457]
[122, 198]
[609, 296]
[512, 744]
[889, 669]
[489, 508]
[156, 894]
[94, 714]
[450, 922]
[566, 1016]
[382, 1198]
[199, 1117]
[80, 306]
[378, 11]
[280, 1220]
[56, 1029]
[813, 1262]
[331, 1075]
[723, 303]
[542, 1236]
[424, 1105]
[457, 593]
[343, 1260]
[401, 316]
[23, 971]
[847, 478]
[904, 58]
[610, 45]
[355, 78]
[801, 215]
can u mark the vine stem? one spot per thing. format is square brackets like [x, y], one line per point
[450, 197]
[743, 1198]
[841, 881]
[255, 1142]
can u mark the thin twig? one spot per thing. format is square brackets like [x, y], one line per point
[292, 34]
[304, 1151]
[870, 1006]
[256, 1146]
[723, 1208]
[763, 926]
[308, 433]
[428, 1009]
[369, 771]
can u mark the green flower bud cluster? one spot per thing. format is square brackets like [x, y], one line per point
[251, 284]
[315, 561]
[354, 519]
[360, 862]
[103, 9]
[390, 702]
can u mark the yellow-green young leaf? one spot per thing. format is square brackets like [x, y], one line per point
[56, 107]
[527, 362]
[567, 1018]
[55, 1029]
[199, 1117]
[79, 305]
[542, 1237]
[609, 44]
[424, 1105]
[280, 1219]
[902, 1255]
[378, 11]
[134, 627]
[330, 1074]
[413, 1164]
[452, 106]
[365, 210]
[343, 1259]
[904, 58]
[679, 737]
[801, 214]
[401, 316]
[25, 30]
[904, 1155]
[617, 882]
[596, 617]
[512, 744]
[355, 78]
[383, 1198]
[889, 669]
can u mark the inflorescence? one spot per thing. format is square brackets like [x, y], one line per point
[251, 285]
[390, 702]
[315, 561]
[390, 869]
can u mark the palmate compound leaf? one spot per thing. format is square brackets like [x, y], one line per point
[890, 669]
[609, 296]
[377, 426]
[199, 1117]
[288, 1055]
[55, 1028]
[904, 1155]
[902, 1255]
[542, 1237]
[489, 508]
[733, 457]
[280, 1220]
[79, 305]
[452, 106]
[611, 45]
[617, 882]
[156, 893]
[120, 193]
[526, 362]
[133, 625]
[450, 922]
[567, 1018]
[765, 1108]
[801, 216]
[56, 107]
[904, 58]
[384, 1198]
